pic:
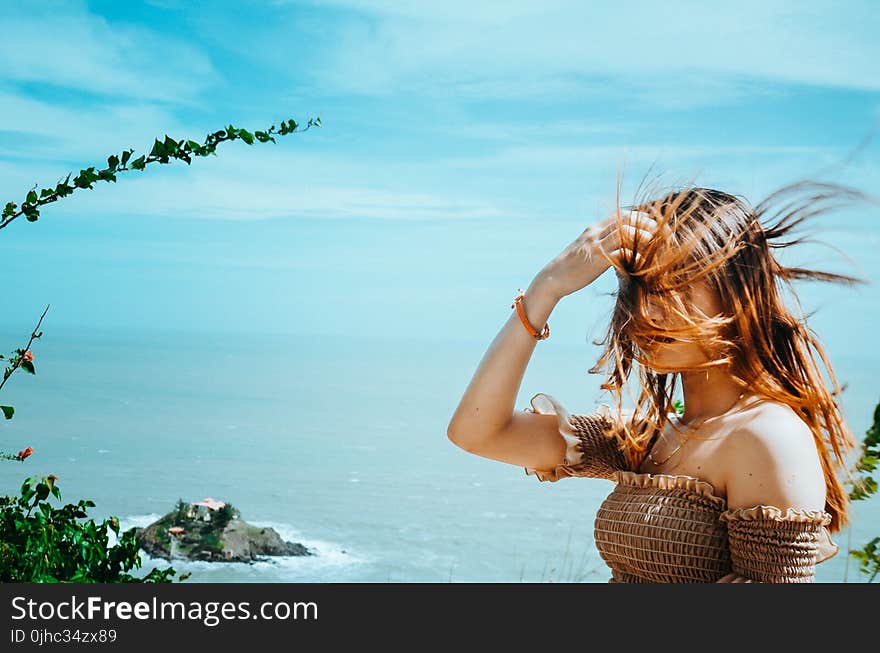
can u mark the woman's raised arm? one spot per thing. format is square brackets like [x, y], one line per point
[485, 422]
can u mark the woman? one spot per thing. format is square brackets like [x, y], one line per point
[740, 487]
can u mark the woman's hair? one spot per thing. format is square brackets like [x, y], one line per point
[718, 238]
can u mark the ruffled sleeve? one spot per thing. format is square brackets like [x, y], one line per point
[770, 545]
[588, 451]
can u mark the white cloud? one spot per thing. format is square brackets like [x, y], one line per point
[518, 131]
[649, 49]
[566, 155]
[42, 130]
[524, 49]
[65, 45]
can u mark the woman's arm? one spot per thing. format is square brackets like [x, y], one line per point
[485, 422]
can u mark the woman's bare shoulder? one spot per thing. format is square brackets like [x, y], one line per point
[771, 459]
[770, 419]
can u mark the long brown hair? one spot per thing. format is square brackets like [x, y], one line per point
[718, 238]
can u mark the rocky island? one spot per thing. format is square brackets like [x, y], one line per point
[213, 531]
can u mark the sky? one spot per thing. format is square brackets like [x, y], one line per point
[463, 146]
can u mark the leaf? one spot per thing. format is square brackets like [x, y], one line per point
[8, 411]
[867, 463]
[170, 145]
[246, 136]
[32, 197]
[126, 156]
[138, 163]
[28, 366]
[158, 149]
[113, 162]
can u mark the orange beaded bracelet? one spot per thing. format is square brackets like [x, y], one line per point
[517, 303]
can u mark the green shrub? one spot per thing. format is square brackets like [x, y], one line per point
[42, 544]
[222, 516]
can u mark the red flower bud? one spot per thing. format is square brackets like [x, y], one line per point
[24, 454]
[28, 356]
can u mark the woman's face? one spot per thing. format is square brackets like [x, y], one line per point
[675, 355]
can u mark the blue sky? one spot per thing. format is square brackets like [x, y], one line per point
[463, 146]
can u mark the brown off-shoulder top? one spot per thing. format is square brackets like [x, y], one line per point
[674, 529]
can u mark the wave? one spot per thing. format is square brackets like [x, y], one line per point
[330, 560]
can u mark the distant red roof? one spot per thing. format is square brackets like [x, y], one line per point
[210, 504]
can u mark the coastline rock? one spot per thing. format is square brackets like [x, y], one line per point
[215, 532]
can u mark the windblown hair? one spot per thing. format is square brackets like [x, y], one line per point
[718, 238]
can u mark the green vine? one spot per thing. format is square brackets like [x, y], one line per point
[864, 487]
[162, 152]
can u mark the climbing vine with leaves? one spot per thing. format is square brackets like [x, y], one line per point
[163, 152]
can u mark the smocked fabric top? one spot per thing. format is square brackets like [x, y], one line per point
[675, 529]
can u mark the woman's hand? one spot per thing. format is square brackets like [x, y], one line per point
[582, 262]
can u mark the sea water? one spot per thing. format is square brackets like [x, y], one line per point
[337, 443]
